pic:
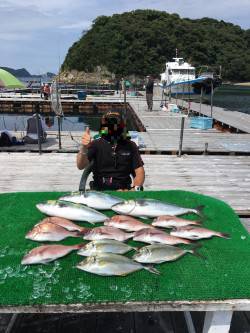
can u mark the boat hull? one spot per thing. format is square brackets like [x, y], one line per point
[192, 89]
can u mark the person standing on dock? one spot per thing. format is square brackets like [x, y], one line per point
[115, 157]
[149, 92]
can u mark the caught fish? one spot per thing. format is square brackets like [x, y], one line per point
[157, 236]
[158, 253]
[168, 221]
[107, 233]
[93, 199]
[66, 224]
[71, 211]
[191, 232]
[47, 253]
[108, 264]
[51, 232]
[126, 223]
[104, 246]
[151, 208]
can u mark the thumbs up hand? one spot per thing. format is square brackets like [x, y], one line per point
[86, 138]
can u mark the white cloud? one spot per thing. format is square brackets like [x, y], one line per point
[78, 25]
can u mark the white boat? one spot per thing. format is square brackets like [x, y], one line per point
[180, 79]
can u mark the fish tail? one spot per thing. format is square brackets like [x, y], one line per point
[151, 269]
[82, 232]
[199, 211]
[194, 252]
[223, 235]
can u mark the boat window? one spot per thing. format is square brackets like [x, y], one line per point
[187, 71]
[176, 71]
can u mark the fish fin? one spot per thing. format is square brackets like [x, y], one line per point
[199, 211]
[129, 235]
[80, 246]
[152, 269]
[224, 235]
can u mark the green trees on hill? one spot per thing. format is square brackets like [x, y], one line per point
[140, 42]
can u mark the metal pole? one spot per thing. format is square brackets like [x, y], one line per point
[37, 107]
[181, 136]
[125, 99]
[59, 131]
[201, 97]
[212, 97]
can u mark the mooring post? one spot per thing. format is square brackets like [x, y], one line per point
[181, 136]
[206, 148]
[37, 109]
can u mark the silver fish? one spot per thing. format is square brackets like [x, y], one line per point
[47, 253]
[104, 245]
[111, 264]
[71, 211]
[107, 233]
[158, 253]
[50, 232]
[157, 236]
[66, 224]
[191, 232]
[126, 223]
[168, 221]
[151, 208]
[93, 199]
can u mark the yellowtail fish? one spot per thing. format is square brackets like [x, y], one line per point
[107, 233]
[168, 221]
[158, 253]
[71, 211]
[152, 208]
[104, 246]
[47, 253]
[93, 199]
[157, 236]
[51, 232]
[66, 224]
[109, 264]
[191, 232]
[126, 223]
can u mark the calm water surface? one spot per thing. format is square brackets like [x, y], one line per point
[234, 98]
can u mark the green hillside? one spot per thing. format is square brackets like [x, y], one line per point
[140, 42]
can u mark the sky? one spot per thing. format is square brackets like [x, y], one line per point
[36, 35]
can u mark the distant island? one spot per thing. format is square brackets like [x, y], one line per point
[23, 73]
[142, 41]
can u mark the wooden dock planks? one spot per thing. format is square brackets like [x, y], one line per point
[224, 177]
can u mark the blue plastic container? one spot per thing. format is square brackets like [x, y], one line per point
[82, 95]
[201, 122]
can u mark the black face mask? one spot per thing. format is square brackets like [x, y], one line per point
[112, 131]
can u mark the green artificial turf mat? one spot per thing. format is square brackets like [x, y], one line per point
[225, 274]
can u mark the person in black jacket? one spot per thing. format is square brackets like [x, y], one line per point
[116, 158]
[149, 92]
